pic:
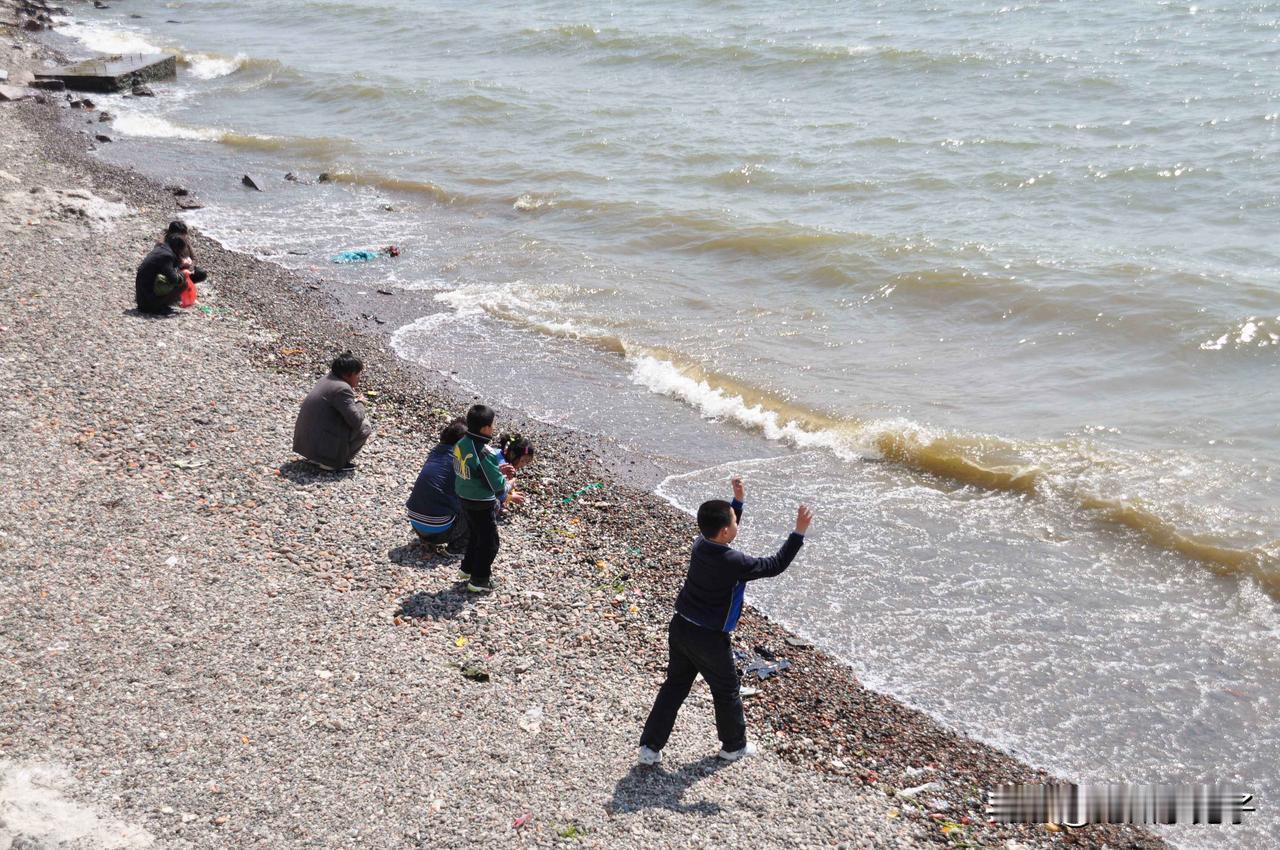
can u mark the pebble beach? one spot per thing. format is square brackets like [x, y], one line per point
[206, 643]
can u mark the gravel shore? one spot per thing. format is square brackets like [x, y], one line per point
[204, 643]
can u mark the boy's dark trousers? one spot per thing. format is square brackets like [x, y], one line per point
[482, 545]
[697, 650]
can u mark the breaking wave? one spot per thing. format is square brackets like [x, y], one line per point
[153, 126]
[1062, 471]
[210, 66]
[111, 40]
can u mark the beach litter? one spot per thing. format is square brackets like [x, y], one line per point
[920, 789]
[566, 500]
[531, 720]
[362, 255]
[763, 663]
[475, 672]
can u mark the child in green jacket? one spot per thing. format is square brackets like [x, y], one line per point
[481, 486]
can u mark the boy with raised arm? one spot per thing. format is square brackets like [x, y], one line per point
[707, 610]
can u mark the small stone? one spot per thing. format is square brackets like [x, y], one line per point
[102, 137]
[8, 93]
[475, 672]
[27, 842]
[143, 91]
[220, 820]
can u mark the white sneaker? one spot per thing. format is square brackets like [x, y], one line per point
[648, 756]
[746, 752]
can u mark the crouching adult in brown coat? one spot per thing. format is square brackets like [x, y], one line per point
[331, 426]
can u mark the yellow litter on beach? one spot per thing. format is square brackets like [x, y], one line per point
[460, 642]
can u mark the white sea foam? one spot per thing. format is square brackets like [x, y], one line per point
[208, 66]
[529, 202]
[153, 126]
[665, 378]
[105, 39]
[1253, 332]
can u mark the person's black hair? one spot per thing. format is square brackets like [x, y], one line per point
[479, 416]
[346, 363]
[714, 516]
[177, 226]
[454, 431]
[513, 447]
[178, 244]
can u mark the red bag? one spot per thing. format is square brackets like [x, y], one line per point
[188, 291]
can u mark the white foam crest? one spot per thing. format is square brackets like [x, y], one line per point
[208, 66]
[1253, 332]
[529, 202]
[665, 378]
[534, 307]
[424, 324]
[153, 126]
[104, 39]
[464, 300]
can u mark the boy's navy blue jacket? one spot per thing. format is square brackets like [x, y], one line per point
[433, 501]
[712, 593]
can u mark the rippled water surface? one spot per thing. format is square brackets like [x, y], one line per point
[995, 286]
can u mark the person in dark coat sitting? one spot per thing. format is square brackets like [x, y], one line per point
[433, 508]
[160, 280]
[331, 426]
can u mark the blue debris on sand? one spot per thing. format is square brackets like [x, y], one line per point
[357, 256]
[763, 664]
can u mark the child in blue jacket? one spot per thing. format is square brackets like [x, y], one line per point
[433, 508]
[707, 610]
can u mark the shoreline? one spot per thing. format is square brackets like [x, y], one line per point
[815, 718]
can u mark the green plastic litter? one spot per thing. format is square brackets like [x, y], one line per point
[579, 492]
